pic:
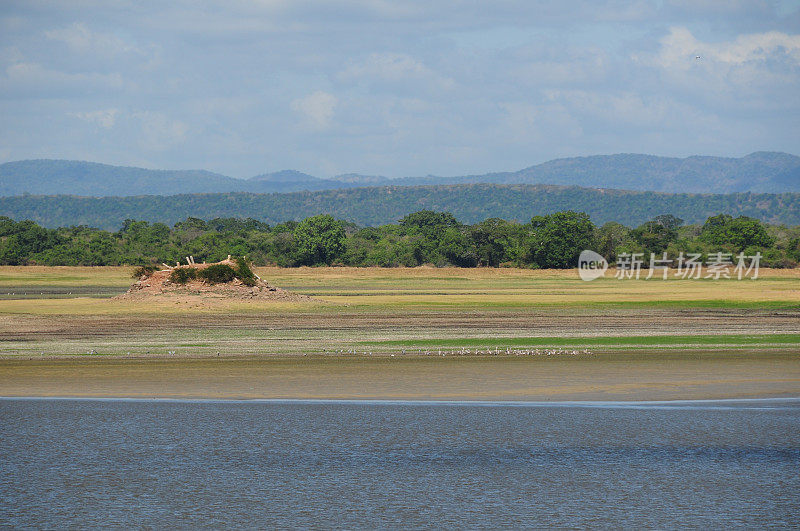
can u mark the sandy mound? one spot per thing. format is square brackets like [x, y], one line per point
[160, 283]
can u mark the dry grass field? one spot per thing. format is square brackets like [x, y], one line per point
[745, 331]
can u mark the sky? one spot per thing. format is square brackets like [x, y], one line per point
[394, 88]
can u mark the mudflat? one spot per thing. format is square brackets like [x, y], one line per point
[442, 334]
[643, 376]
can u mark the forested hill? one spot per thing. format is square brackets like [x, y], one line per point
[380, 205]
[758, 172]
[92, 179]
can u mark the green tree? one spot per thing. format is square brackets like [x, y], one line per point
[656, 235]
[736, 234]
[428, 223]
[496, 241]
[319, 240]
[610, 237]
[195, 225]
[426, 231]
[25, 239]
[556, 240]
[456, 247]
[7, 226]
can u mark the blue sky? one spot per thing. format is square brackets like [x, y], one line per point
[394, 88]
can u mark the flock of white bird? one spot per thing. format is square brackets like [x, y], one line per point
[470, 352]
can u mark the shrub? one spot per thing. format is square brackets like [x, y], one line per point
[217, 273]
[182, 275]
[244, 273]
[144, 271]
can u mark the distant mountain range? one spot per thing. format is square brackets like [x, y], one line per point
[758, 172]
[470, 203]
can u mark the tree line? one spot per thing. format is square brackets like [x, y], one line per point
[470, 203]
[424, 237]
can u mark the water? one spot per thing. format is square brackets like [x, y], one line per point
[123, 463]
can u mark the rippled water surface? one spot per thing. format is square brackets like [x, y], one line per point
[88, 463]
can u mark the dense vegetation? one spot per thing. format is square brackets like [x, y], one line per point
[213, 274]
[424, 237]
[381, 205]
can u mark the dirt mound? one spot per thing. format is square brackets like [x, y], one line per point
[163, 282]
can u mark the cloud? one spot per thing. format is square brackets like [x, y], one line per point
[79, 47]
[750, 71]
[398, 88]
[104, 118]
[547, 65]
[29, 80]
[525, 123]
[157, 131]
[395, 69]
[624, 109]
[679, 49]
[316, 108]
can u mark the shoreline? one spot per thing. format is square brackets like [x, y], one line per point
[610, 378]
[715, 403]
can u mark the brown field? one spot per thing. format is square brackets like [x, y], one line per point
[655, 338]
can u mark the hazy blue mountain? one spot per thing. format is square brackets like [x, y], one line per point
[303, 181]
[771, 172]
[288, 181]
[470, 203]
[758, 172]
[47, 176]
[284, 176]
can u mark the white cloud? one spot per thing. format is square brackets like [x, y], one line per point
[754, 72]
[10, 55]
[29, 79]
[386, 66]
[379, 86]
[79, 38]
[76, 36]
[104, 118]
[317, 108]
[627, 109]
[159, 132]
[679, 49]
[393, 69]
[525, 123]
[537, 65]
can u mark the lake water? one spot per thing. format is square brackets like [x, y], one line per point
[137, 463]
